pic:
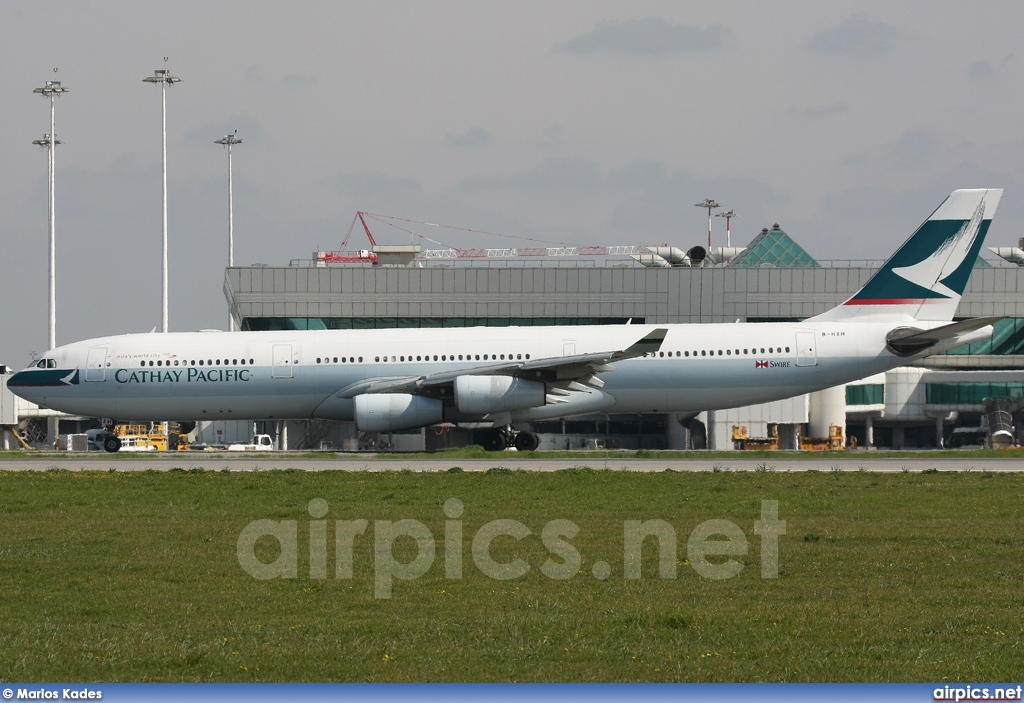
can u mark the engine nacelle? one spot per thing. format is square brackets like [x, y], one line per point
[480, 395]
[386, 412]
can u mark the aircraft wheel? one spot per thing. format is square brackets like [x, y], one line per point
[495, 441]
[112, 443]
[527, 441]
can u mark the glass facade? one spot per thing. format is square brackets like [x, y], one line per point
[971, 393]
[869, 394]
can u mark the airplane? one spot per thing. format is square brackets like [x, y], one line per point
[396, 379]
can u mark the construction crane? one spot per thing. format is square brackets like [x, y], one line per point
[361, 256]
[364, 256]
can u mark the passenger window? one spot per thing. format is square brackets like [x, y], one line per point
[703, 353]
[787, 350]
[318, 360]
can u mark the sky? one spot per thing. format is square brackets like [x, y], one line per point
[577, 122]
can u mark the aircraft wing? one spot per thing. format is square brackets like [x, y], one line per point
[561, 371]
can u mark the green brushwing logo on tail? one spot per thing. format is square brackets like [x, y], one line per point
[933, 265]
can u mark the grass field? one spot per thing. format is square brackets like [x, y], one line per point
[136, 577]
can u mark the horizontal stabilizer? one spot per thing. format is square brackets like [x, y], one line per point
[905, 341]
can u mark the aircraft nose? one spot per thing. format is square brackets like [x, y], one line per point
[22, 384]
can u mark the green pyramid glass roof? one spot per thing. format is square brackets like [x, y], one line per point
[774, 248]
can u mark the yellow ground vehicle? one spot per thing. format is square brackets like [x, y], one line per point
[741, 439]
[142, 437]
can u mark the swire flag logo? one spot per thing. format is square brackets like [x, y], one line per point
[760, 364]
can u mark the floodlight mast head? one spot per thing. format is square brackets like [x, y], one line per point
[728, 215]
[709, 204]
[162, 75]
[51, 89]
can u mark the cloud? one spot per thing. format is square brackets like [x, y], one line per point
[814, 112]
[857, 222]
[254, 74]
[661, 205]
[297, 80]
[981, 70]
[473, 138]
[857, 36]
[377, 184]
[652, 36]
[552, 175]
[914, 149]
[553, 137]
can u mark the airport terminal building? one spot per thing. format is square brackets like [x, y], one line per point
[929, 404]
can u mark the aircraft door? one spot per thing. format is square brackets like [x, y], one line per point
[806, 351]
[282, 367]
[96, 364]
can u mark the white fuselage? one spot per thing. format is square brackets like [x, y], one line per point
[299, 374]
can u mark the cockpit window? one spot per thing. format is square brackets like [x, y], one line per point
[46, 364]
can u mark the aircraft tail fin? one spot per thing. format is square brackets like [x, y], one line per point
[925, 278]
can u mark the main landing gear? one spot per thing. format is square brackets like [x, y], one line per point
[504, 437]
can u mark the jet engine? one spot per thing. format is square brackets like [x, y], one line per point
[386, 412]
[480, 395]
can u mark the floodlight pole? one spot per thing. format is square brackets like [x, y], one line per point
[728, 215]
[229, 140]
[164, 78]
[709, 204]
